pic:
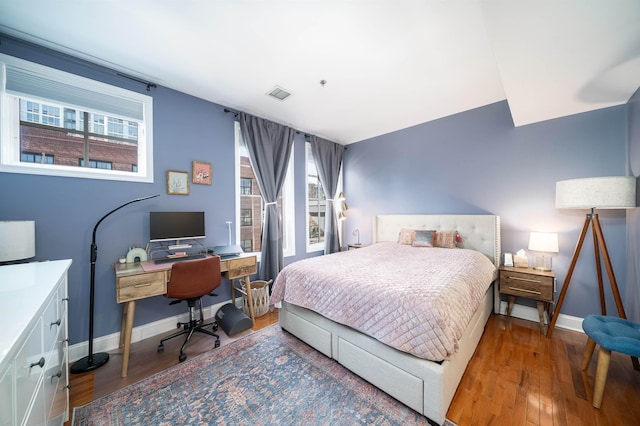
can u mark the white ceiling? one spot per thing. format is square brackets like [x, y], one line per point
[388, 64]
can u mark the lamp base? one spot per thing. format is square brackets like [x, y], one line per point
[542, 268]
[542, 262]
[83, 364]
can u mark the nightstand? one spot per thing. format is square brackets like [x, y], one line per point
[530, 283]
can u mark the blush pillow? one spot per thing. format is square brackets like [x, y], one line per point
[446, 239]
[406, 236]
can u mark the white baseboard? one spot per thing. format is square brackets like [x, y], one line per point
[567, 322]
[111, 342]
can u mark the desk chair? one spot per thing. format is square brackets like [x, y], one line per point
[190, 280]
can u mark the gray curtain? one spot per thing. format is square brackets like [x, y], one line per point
[328, 158]
[269, 145]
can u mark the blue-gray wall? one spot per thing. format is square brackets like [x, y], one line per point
[474, 162]
[477, 162]
[185, 128]
[632, 299]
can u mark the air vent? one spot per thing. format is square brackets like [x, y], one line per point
[279, 93]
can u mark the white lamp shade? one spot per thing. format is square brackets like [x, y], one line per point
[608, 192]
[543, 241]
[17, 240]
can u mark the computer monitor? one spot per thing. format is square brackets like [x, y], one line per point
[168, 226]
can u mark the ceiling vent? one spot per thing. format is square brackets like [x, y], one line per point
[279, 93]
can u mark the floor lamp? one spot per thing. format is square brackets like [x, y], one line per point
[93, 361]
[610, 192]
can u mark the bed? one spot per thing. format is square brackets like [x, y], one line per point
[425, 385]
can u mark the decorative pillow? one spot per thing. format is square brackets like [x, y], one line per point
[446, 239]
[423, 239]
[406, 236]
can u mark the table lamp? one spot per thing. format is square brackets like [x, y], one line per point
[544, 243]
[17, 240]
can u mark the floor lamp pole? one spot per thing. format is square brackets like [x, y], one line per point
[93, 361]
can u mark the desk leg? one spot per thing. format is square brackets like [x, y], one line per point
[247, 281]
[233, 291]
[129, 310]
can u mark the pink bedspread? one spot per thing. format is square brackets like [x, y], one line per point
[417, 300]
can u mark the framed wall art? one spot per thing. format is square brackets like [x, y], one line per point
[201, 173]
[177, 182]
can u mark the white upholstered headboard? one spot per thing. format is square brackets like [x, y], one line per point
[478, 232]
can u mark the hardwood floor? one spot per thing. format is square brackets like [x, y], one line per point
[516, 377]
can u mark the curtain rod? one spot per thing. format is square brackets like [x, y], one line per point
[70, 58]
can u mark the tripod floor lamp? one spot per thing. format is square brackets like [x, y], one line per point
[93, 361]
[610, 192]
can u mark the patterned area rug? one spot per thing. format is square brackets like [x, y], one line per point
[265, 378]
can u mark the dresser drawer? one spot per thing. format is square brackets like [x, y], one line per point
[28, 371]
[132, 287]
[527, 285]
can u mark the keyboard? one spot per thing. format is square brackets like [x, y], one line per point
[179, 259]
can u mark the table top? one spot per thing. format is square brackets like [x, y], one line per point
[123, 269]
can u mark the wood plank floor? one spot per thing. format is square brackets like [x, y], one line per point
[516, 377]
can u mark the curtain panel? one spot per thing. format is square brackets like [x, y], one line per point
[269, 145]
[328, 157]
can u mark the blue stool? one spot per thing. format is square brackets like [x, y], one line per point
[611, 334]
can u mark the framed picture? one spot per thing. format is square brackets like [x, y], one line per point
[177, 182]
[201, 173]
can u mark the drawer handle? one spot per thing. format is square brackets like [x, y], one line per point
[66, 299]
[524, 279]
[55, 323]
[525, 290]
[142, 285]
[39, 363]
[58, 375]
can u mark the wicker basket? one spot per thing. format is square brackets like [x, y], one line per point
[260, 296]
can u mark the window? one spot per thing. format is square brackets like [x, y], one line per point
[246, 217]
[250, 206]
[56, 123]
[316, 202]
[245, 185]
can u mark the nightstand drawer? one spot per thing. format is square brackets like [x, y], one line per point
[526, 285]
[131, 287]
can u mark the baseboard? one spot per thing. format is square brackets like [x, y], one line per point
[567, 322]
[111, 342]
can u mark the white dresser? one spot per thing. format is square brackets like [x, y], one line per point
[34, 361]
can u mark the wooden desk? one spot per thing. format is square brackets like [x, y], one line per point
[146, 279]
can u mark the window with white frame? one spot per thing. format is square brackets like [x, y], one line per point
[56, 123]
[316, 202]
[250, 205]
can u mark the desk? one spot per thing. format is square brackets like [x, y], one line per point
[146, 279]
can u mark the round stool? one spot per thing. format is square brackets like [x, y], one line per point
[611, 334]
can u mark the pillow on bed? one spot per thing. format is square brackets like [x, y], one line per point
[406, 236]
[423, 239]
[446, 239]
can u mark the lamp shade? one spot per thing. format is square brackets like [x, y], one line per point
[607, 192]
[17, 240]
[543, 241]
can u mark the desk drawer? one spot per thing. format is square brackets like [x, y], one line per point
[239, 267]
[132, 287]
[527, 285]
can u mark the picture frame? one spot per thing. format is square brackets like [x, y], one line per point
[177, 182]
[201, 173]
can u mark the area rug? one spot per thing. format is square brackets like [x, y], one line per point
[265, 378]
